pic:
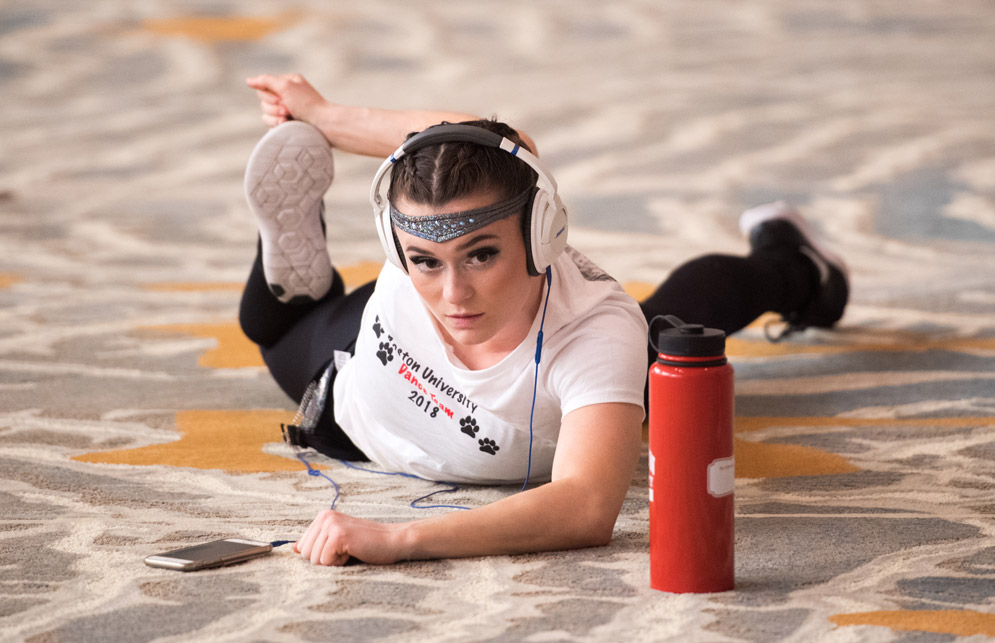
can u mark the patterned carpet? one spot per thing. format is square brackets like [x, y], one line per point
[135, 418]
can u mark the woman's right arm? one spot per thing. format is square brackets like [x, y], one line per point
[368, 131]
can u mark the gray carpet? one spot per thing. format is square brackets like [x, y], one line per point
[134, 418]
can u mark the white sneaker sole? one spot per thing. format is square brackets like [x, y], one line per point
[286, 178]
[781, 210]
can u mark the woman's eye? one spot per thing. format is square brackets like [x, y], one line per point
[425, 263]
[483, 255]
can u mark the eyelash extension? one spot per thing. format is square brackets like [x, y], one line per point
[419, 260]
[489, 251]
[486, 253]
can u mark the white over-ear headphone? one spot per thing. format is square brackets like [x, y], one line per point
[546, 225]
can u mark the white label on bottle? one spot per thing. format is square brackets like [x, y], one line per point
[721, 477]
[652, 469]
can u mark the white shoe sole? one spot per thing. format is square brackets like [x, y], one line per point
[286, 178]
[781, 210]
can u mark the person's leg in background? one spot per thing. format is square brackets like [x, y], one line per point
[786, 272]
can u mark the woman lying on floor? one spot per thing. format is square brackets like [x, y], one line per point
[435, 368]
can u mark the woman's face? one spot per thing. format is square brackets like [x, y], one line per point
[475, 286]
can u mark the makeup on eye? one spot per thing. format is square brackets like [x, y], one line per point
[475, 256]
[485, 254]
[424, 262]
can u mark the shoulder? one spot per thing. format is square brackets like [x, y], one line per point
[598, 345]
[581, 290]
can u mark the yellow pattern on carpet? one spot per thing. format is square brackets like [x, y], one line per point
[355, 275]
[768, 460]
[196, 286]
[864, 340]
[909, 343]
[233, 350]
[218, 28]
[8, 279]
[227, 440]
[638, 290]
[744, 424]
[955, 622]
[772, 460]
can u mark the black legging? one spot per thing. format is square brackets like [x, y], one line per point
[297, 342]
[718, 291]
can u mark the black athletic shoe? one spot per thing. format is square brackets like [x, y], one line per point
[778, 225]
[286, 178]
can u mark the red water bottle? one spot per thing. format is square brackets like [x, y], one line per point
[691, 467]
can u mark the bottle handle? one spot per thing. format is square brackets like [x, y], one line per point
[673, 321]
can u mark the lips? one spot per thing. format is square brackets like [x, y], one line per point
[464, 320]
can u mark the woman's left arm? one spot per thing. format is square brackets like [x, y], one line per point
[596, 456]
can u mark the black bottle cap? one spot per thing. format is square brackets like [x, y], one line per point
[687, 340]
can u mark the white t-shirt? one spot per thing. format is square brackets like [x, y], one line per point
[411, 406]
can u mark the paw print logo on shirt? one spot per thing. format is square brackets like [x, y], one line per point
[386, 353]
[469, 426]
[377, 328]
[488, 445]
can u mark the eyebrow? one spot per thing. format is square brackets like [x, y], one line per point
[472, 241]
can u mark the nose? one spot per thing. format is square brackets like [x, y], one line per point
[457, 287]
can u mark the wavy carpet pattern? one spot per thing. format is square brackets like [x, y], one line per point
[135, 417]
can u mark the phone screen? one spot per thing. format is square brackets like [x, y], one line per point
[213, 554]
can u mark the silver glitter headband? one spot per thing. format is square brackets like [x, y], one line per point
[445, 227]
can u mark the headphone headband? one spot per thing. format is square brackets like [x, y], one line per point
[546, 227]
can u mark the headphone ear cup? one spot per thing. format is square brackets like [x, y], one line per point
[529, 234]
[547, 231]
[388, 239]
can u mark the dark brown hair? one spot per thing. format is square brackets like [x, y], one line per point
[437, 174]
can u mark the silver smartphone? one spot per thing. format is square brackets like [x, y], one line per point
[214, 554]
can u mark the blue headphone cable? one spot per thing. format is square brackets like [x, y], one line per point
[451, 487]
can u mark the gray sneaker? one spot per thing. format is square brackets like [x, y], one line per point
[286, 178]
[778, 225]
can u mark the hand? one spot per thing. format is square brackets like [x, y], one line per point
[333, 537]
[286, 97]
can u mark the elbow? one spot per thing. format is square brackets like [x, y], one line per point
[598, 539]
[596, 525]
[601, 533]
[597, 535]
[586, 513]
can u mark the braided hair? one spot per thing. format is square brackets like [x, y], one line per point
[437, 174]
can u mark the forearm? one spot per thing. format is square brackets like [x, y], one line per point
[565, 514]
[372, 131]
[595, 460]
[592, 471]
[368, 131]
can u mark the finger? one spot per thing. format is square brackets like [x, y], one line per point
[266, 96]
[270, 109]
[274, 109]
[304, 544]
[319, 546]
[273, 121]
[262, 81]
[339, 560]
[332, 553]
